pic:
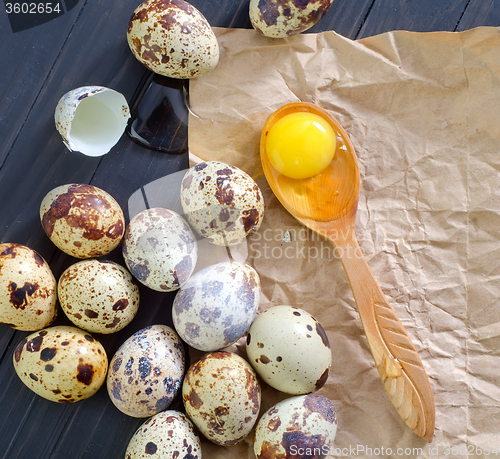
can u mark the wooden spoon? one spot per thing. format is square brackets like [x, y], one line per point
[327, 203]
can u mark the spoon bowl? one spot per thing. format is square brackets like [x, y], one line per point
[327, 203]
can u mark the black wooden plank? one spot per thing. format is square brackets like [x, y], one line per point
[484, 12]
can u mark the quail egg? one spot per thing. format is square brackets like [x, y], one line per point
[217, 305]
[160, 249]
[289, 350]
[28, 289]
[82, 220]
[166, 435]
[172, 38]
[283, 18]
[221, 202]
[61, 363]
[146, 372]
[300, 426]
[221, 395]
[98, 296]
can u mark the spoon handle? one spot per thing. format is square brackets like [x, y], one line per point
[396, 358]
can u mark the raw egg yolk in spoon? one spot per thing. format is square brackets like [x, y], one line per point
[301, 145]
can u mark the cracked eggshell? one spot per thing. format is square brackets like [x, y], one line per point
[91, 119]
[62, 364]
[82, 220]
[146, 372]
[169, 434]
[159, 249]
[221, 202]
[217, 305]
[28, 289]
[98, 296]
[283, 18]
[172, 38]
[301, 423]
[289, 350]
[221, 395]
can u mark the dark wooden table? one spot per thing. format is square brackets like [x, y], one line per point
[87, 46]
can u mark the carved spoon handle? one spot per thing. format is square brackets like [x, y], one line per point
[396, 358]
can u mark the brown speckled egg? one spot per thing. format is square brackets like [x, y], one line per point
[160, 249]
[82, 220]
[28, 289]
[146, 372]
[166, 435]
[221, 395]
[221, 202]
[289, 350]
[217, 305]
[282, 18]
[172, 38]
[98, 296]
[301, 426]
[62, 364]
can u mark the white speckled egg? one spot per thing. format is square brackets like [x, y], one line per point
[283, 18]
[301, 426]
[98, 296]
[62, 364]
[28, 289]
[289, 350]
[146, 372]
[91, 119]
[166, 435]
[221, 395]
[221, 202]
[172, 38]
[160, 249]
[82, 220]
[217, 305]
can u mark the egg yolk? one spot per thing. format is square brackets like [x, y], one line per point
[301, 145]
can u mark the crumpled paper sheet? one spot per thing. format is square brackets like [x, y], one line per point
[422, 110]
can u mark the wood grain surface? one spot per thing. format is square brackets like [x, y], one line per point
[87, 46]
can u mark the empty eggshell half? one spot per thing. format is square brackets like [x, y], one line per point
[91, 119]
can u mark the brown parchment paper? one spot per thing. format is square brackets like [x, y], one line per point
[423, 112]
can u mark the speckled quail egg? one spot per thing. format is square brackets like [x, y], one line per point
[61, 363]
[221, 202]
[28, 289]
[300, 426]
[172, 38]
[91, 119]
[221, 395]
[146, 372]
[289, 350]
[166, 435]
[282, 18]
[160, 249]
[82, 220]
[98, 296]
[217, 305]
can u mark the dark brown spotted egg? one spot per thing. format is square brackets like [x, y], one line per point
[146, 372]
[221, 395]
[221, 202]
[217, 305]
[289, 350]
[98, 296]
[159, 249]
[82, 220]
[301, 426]
[283, 18]
[172, 38]
[62, 364]
[28, 289]
[166, 435]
